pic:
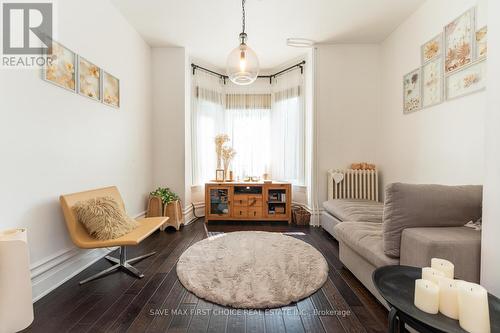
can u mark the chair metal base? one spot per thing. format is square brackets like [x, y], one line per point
[120, 263]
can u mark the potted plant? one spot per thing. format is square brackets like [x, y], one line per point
[164, 202]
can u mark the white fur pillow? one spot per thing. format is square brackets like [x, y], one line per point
[103, 218]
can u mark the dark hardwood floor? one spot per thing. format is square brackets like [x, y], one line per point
[159, 303]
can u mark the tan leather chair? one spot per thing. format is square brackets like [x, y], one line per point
[82, 239]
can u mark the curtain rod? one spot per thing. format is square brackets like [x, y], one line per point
[270, 77]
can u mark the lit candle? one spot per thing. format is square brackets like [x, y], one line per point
[444, 266]
[448, 297]
[426, 296]
[473, 310]
[431, 274]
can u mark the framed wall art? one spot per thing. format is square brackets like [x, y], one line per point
[219, 175]
[432, 49]
[412, 97]
[467, 80]
[459, 41]
[432, 82]
[111, 90]
[61, 67]
[481, 43]
[89, 79]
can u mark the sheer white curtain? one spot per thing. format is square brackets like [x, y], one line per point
[207, 120]
[266, 127]
[288, 128]
[248, 124]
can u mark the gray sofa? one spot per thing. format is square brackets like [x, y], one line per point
[417, 223]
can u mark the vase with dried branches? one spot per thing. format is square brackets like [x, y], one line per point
[220, 140]
[228, 154]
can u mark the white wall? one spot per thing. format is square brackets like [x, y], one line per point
[490, 248]
[53, 141]
[442, 144]
[169, 119]
[347, 107]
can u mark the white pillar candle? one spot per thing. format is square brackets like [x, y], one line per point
[431, 274]
[473, 309]
[426, 296]
[444, 266]
[448, 297]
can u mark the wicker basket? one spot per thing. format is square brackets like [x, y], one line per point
[300, 216]
[155, 207]
[173, 210]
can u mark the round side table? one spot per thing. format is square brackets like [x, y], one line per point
[396, 284]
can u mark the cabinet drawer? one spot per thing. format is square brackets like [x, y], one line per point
[254, 201]
[255, 212]
[240, 200]
[240, 212]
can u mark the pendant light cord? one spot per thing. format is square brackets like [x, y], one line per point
[243, 10]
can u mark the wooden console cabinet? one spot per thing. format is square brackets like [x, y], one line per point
[248, 201]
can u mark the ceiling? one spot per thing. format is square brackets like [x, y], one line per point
[209, 29]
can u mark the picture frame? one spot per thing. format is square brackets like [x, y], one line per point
[432, 49]
[89, 79]
[459, 37]
[63, 68]
[219, 175]
[110, 86]
[432, 83]
[482, 42]
[467, 80]
[412, 91]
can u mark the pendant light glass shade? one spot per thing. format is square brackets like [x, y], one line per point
[242, 64]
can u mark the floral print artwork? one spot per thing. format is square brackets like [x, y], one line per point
[481, 45]
[89, 76]
[467, 80]
[411, 90]
[432, 83]
[432, 49]
[111, 90]
[61, 66]
[458, 36]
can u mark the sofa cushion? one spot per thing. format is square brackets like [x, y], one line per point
[409, 206]
[355, 210]
[460, 245]
[103, 218]
[365, 238]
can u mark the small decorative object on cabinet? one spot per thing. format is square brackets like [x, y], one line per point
[228, 154]
[164, 202]
[248, 201]
[220, 140]
[219, 175]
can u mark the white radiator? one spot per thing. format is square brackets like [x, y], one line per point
[353, 184]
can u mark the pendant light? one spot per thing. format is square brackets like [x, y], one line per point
[242, 64]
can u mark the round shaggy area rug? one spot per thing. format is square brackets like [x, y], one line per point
[252, 269]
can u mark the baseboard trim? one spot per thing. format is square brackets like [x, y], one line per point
[52, 272]
[189, 213]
